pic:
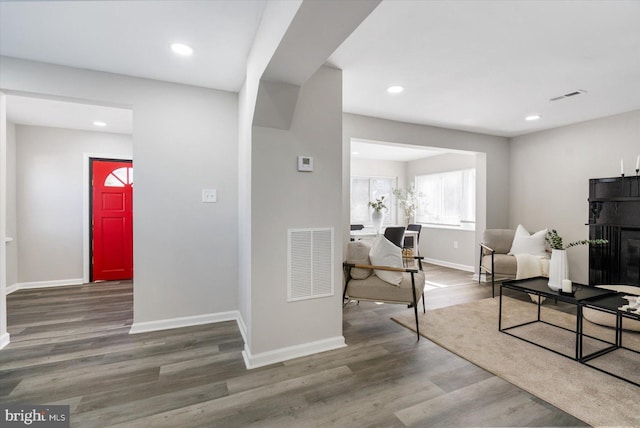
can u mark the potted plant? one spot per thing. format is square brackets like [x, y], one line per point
[559, 267]
[377, 215]
[410, 200]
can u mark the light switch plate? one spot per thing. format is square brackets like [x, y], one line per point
[209, 195]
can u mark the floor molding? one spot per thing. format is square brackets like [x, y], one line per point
[243, 328]
[4, 340]
[279, 355]
[44, 284]
[147, 326]
[458, 266]
[11, 288]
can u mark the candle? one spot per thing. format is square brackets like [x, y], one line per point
[621, 166]
[638, 163]
[567, 286]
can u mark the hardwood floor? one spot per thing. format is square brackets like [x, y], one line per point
[70, 345]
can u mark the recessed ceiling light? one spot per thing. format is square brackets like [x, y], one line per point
[99, 123]
[532, 117]
[395, 89]
[182, 49]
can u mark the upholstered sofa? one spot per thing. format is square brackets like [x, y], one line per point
[363, 279]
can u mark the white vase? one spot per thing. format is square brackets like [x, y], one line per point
[376, 220]
[558, 269]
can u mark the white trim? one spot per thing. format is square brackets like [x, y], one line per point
[86, 192]
[253, 361]
[461, 228]
[242, 327]
[458, 266]
[4, 340]
[4, 335]
[45, 284]
[147, 326]
[12, 288]
[487, 277]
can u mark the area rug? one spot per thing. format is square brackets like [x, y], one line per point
[470, 330]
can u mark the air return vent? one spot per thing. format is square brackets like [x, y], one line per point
[309, 264]
[569, 95]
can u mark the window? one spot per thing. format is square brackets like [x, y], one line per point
[450, 198]
[368, 189]
[119, 178]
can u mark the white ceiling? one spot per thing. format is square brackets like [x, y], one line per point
[65, 114]
[485, 65]
[473, 65]
[134, 37]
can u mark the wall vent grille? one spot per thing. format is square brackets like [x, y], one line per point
[310, 264]
[569, 95]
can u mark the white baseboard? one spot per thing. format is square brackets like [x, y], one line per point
[466, 268]
[4, 340]
[479, 277]
[44, 284]
[146, 326]
[243, 328]
[11, 288]
[253, 361]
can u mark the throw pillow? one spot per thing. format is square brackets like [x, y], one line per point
[386, 253]
[358, 253]
[525, 243]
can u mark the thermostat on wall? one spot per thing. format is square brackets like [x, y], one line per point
[305, 163]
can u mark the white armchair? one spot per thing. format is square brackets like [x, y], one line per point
[362, 282]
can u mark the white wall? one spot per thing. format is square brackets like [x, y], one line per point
[185, 138]
[50, 186]
[550, 172]
[276, 18]
[448, 246]
[4, 335]
[12, 227]
[283, 198]
[492, 161]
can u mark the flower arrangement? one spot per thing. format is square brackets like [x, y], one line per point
[555, 241]
[409, 199]
[378, 205]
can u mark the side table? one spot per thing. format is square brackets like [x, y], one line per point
[610, 304]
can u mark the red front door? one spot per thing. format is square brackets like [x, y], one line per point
[112, 220]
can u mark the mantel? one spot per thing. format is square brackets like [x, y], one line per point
[617, 199]
[618, 188]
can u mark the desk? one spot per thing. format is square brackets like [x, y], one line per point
[367, 233]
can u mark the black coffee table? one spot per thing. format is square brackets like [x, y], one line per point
[539, 287]
[610, 304]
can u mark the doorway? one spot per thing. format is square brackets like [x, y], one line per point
[111, 230]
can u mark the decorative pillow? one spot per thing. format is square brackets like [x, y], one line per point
[525, 243]
[358, 253]
[386, 253]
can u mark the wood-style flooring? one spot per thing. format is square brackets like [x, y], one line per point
[70, 345]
